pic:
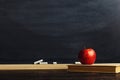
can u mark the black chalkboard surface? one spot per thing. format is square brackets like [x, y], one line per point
[56, 30]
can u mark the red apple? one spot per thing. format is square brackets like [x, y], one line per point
[87, 56]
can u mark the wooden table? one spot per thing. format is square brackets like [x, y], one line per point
[48, 72]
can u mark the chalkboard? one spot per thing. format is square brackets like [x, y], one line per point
[56, 30]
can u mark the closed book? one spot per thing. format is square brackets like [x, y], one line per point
[99, 68]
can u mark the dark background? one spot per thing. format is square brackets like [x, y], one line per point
[56, 30]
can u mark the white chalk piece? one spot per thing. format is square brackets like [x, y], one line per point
[43, 62]
[38, 62]
[54, 62]
[77, 62]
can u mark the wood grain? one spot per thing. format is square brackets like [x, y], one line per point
[33, 66]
